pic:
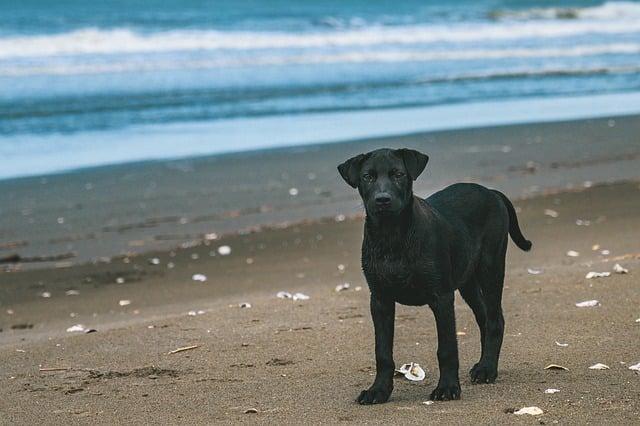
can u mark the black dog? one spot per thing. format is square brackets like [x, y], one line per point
[418, 252]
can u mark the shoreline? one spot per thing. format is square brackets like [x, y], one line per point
[91, 215]
[169, 142]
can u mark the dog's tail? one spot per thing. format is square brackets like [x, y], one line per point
[514, 228]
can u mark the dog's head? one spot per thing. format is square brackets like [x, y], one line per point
[384, 178]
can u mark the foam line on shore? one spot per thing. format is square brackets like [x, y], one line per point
[29, 155]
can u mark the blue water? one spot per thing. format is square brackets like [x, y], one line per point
[75, 75]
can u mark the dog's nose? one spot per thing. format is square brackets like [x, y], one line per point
[383, 199]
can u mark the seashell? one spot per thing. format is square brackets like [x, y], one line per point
[245, 305]
[412, 371]
[588, 304]
[534, 411]
[573, 253]
[283, 295]
[556, 367]
[342, 287]
[562, 345]
[72, 292]
[551, 391]
[592, 274]
[619, 269]
[300, 296]
[635, 367]
[534, 271]
[76, 328]
[45, 294]
[599, 366]
[551, 213]
[154, 261]
[124, 302]
[224, 250]
[199, 277]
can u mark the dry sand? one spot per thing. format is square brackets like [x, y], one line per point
[306, 361]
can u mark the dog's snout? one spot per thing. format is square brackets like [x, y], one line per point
[383, 199]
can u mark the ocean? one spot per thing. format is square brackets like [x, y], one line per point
[96, 83]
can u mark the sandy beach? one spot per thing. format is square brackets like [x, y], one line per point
[305, 361]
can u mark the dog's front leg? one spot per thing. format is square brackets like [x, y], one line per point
[449, 384]
[383, 311]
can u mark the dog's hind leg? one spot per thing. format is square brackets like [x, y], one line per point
[472, 294]
[491, 276]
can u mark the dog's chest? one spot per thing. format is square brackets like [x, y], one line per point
[404, 277]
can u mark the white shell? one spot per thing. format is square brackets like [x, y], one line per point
[588, 304]
[551, 391]
[199, 277]
[283, 295]
[599, 366]
[76, 328]
[635, 367]
[534, 411]
[412, 371]
[124, 302]
[224, 250]
[573, 253]
[593, 274]
[342, 287]
[619, 269]
[300, 296]
[562, 345]
[245, 305]
[551, 213]
[534, 271]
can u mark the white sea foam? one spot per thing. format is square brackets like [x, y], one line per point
[122, 41]
[624, 10]
[132, 64]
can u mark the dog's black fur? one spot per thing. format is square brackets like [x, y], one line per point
[419, 251]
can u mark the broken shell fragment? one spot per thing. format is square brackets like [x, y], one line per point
[534, 411]
[556, 367]
[588, 304]
[300, 296]
[533, 271]
[154, 261]
[551, 213]
[619, 269]
[76, 328]
[283, 295]
[72, 292]
[593, 274]
[562, 345]
[199, 277]
[551, 391]
[245, 305]
[635, 367]
[124, 302]
[224, 250]
[573, 253]
[412, 372]
[599, 366]
[342, 287]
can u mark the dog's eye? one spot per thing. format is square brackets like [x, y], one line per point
[367, 177]
[398, 174]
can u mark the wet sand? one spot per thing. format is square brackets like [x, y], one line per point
[306, 361]
[93, 214]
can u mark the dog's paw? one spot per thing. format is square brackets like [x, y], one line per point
[374, 395]
[446, 392]
[483, 373]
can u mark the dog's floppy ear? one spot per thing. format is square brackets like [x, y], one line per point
[414, 161]
[350, 170]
